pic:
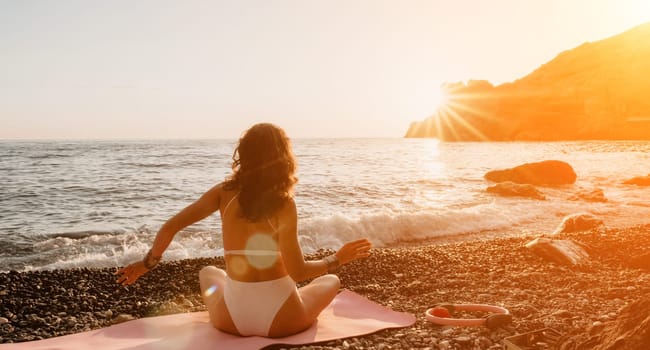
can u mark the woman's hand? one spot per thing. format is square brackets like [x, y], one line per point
[354, 250]
[130, 274]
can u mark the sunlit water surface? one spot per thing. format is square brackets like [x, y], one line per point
[94, 203]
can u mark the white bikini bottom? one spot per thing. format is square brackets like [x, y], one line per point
[253, 305]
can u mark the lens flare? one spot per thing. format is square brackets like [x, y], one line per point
[210, 291]
[264, 243]
[238, 266]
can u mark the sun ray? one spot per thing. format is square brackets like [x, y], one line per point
[430, 126]
[475, 111]
[449, 125]
[439, 130]
[464, 123]
[456, 117]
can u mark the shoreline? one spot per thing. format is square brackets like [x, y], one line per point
[499, 271]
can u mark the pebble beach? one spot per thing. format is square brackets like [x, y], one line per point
[577, 301]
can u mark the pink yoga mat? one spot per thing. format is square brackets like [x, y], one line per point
[348, 315]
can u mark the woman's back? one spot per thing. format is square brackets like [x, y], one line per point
[251, 249]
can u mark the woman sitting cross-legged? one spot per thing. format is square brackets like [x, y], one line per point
[257, 293]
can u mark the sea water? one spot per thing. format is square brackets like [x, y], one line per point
[66, 204]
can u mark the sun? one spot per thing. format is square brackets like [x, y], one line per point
[455, 114]
[439, 99]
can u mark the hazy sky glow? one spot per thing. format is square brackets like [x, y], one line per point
[118, 69]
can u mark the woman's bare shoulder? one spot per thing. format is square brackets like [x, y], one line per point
[218, 188]
[288, 213]
[289, 206]
[215, 193]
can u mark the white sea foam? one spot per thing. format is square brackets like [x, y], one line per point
[120, 250]
[383, 228]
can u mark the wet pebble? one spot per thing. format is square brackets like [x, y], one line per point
[123, 318]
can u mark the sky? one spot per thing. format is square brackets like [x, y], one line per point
[156, 69]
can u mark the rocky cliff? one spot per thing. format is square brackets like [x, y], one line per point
[598, 90]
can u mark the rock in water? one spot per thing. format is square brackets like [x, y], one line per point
[563, 252]
[548, 172]
[511, 189]
[638, 180]
[578, 222]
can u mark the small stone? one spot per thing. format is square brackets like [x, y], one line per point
[447, 332]
[596, 327]
[186, 303]
[3, 320]
[54, 321]
[7, 329]
[604, 318]
[71, 321]
[484, 342]
[104, 314]
[463, 339]
[562, 313]
[444, 345]
[123, 318]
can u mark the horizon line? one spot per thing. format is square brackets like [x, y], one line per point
[186, 139]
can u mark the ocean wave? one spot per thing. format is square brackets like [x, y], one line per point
[99, 213]
[108, 248]
[390, 228]
[150, 165]
[384, 229]
[50, 155]
[101, 249]
[85, 234]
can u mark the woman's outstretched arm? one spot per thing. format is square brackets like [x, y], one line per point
[200, 209]
[294, 261]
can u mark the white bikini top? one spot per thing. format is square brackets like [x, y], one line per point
[250, 252]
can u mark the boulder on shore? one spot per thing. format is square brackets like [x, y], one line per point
[511, 189]
[548, 172]
[629, 331]
[564, 252]
[638, 180]
[578, 222]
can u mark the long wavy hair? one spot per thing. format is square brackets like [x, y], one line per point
[263, 171]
